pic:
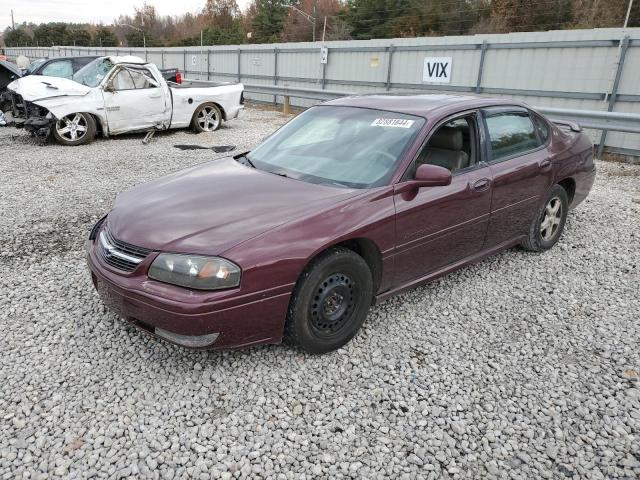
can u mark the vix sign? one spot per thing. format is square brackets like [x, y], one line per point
[437, 70]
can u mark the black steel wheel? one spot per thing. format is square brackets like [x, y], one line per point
[330, 301]
[333, 304]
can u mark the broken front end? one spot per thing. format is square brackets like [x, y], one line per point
[33, 118]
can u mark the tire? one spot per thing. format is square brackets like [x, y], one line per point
[330, 302]
[207, 118]
[83, 133]
[547, 227]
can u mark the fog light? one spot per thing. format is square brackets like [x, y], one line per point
[193, 341]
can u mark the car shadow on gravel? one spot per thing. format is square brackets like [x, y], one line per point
[45, 237]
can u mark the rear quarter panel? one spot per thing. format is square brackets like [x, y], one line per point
[573, 158]
[187, 100]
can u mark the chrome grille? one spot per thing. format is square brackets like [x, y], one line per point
[120, 255]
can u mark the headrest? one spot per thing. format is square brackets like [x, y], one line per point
[448, 138]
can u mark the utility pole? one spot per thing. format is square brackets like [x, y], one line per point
[626, 20]
[315, 4]
[311, 19]
[13, 23]
[324, 29]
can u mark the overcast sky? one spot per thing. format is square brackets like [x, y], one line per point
[93, 11]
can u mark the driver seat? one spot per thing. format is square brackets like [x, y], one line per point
[445, 149]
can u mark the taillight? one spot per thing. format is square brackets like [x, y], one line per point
[179, 77]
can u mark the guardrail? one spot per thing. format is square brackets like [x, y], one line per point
[590, 119]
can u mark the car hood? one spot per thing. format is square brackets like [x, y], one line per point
[212, 207]
[40, 87]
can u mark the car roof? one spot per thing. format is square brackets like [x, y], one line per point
[50, 59]
[422, 105]
[127, 59]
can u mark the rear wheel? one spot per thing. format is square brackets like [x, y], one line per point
[75, 129]
[207, 118]
[330, 301]
[548, 225]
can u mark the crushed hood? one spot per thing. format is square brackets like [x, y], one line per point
[40, 87]
[210, 208]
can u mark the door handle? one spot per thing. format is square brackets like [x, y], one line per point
[545, 165]
[154, 95]
[481, 185]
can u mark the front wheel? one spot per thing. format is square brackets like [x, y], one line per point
[207, 118]
[330, 302]
[548, 225]
[75, 129]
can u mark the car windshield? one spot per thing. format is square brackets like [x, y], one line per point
[33, 66]
[346, 146]
[93, 72]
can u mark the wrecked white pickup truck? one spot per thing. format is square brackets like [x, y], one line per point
[114, 95]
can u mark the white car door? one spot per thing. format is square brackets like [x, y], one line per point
[134, 100]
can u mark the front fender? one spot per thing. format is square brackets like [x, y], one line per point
[62, 106]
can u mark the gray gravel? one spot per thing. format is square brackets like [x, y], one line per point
[471, 376]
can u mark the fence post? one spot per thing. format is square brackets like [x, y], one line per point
[483, 51]
[614, 90]
[390, 49]
[275, 72]
[287, 105]
[239, 54]
[184, 62]
[209, 64]
[324, 71]
[162, 56]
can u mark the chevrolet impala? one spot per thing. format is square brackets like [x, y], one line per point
[349, 203]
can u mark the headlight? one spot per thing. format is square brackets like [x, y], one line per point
[194, 271]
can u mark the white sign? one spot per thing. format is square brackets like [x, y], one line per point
[392, 122]
[324, 54]
[194, 60]
[437, 70]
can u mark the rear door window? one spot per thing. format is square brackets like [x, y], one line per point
[60, 68]
[543, 128]
[511, 134]
[81, 62]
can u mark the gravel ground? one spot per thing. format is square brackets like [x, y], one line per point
[471, 376]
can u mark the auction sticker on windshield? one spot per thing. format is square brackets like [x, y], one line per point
[392, 122]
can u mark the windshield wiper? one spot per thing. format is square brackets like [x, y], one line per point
[247, 160]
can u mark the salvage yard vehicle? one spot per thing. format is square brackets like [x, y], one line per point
[66, 67]
[63, 67]
[349, 203]
[115, 95]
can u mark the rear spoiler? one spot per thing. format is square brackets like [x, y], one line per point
[573, 126]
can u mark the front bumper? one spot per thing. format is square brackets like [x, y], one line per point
[194, 319]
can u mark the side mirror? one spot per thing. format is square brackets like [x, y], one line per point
[425, 176]
[432, 176]
[109, 87]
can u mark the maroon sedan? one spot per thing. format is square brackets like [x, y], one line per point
[349, 203]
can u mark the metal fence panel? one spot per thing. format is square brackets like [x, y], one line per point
[571, 69]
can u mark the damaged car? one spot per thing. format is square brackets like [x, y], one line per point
[116, 95]
[8, 73]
